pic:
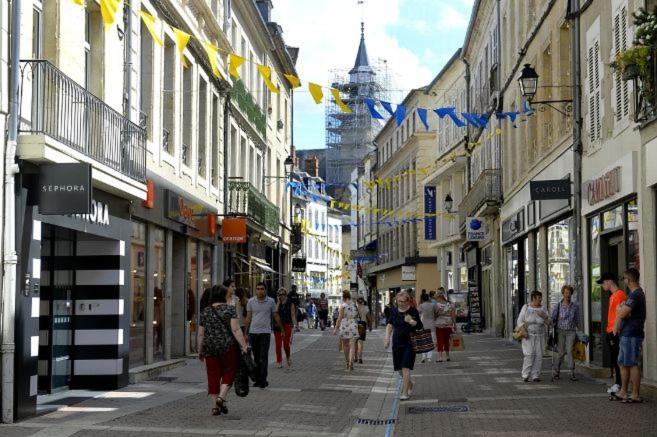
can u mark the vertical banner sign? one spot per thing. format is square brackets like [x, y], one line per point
[430, 208]
[475, 308]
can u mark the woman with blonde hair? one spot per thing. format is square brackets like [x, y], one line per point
[348, 328]
[403, 321]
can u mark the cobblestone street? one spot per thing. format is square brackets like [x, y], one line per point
[478, 393]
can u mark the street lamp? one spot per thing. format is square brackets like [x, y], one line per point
[528, 81]
[449, 203]
[289, 164]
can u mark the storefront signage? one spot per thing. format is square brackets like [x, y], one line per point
[408, 273]
[604, 187]
[233, 231]
[65, 189]
[476, 229]
[430, 208]
[552, 189]
[474, 301]
[99, 214]
[183, 210]
[299, 265]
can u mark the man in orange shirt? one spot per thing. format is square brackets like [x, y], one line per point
[609, 283]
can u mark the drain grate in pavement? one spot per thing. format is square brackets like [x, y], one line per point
[164, 378]
[374, 422]
[438, 409]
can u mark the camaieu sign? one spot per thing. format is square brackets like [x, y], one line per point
[65, 189]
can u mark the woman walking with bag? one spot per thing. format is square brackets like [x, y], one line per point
[348, 328]
[402, 322]
[287, 311]
[533, 317]
[219, 330]
[363, 321]
[445, 325]
[565, 318]
[427, 312]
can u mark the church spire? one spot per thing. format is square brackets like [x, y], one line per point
[361, 57]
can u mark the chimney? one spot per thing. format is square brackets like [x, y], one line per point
[312, 166]
[265, 7]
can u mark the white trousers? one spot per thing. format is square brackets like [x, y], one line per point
[532, 349]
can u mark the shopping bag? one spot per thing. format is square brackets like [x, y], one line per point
[241, 383]
[249, 364]
[579, 351]
[421, 341]
[456, 342]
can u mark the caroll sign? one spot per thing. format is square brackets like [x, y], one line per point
[476, 229]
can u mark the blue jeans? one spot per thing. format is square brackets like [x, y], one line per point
[630, 351]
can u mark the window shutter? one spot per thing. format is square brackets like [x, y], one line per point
[624, 45]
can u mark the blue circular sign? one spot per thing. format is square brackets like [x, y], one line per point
[475, 224]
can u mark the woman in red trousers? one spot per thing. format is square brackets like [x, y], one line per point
[287, 312]
[445, 324]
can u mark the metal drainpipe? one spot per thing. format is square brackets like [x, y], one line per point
[467, 129]
[10, 257]
[227, 160]
[577, 139]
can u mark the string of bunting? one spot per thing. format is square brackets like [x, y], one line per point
[109, 9]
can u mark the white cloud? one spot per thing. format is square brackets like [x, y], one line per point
[450, 19]
[327, 34]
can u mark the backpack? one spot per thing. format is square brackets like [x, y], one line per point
[218, 336]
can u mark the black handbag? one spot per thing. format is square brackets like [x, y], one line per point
[241, 383]
[246, 360]
[553, 338]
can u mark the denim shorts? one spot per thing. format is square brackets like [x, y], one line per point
[630, 351]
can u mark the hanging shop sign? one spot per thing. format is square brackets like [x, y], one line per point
[65, 189]
[476, 229]
[299, 265]
[604, 187]
[474, 304]
[430, 208]
[233, 230]
[408, 273]
[550, 189]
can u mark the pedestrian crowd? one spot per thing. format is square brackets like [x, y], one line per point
[235, 331]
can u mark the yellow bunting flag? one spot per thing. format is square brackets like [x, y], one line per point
[265, 72]
[339, 102]
[80, 2]
[149, 22]
[182, 38]
[235, 63]
[212, 52]
[316, 92]
[294, 81]
[108, 9]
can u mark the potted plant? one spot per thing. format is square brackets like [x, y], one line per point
[633, 62]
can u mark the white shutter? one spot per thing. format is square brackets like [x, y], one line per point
[621, 92]
[626, 96]
[593, 61]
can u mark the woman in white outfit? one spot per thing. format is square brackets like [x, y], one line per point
[427, 311]
[534, 317]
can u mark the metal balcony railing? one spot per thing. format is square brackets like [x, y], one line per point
[245, 199]
[249, 106]
[645, 98]
[67, 112]
[487, 190]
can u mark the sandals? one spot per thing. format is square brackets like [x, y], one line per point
[632, 401]
[219, 407]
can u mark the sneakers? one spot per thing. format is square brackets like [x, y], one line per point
[613, 389]
[525, 379]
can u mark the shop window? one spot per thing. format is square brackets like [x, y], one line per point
[613, 219]
[513, 278]
[159, 276]
[192, 293]
[206, 277]
[633, 259]
[558, 260]
[450, 280]
[538, 257]
[464, 278]
[449, 258]
[528, 285]
[138, 289]
[596, 290]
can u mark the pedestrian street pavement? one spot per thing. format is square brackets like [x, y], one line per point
[478, 393]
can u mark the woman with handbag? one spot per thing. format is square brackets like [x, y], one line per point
[218, 333]
[403, 321]
[565, 318]
[348, 328]
[533, 317]
[445, 324]
[363, 320]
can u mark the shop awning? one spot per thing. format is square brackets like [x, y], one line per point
[262, 264]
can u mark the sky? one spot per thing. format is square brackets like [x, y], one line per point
[415, 37]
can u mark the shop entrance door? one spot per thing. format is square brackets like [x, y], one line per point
[612, 260]
[55, 319]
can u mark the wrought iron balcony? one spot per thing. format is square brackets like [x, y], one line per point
[645, 97]
[244, 199]
[486, 191]
[67, 112]
[249, 106]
